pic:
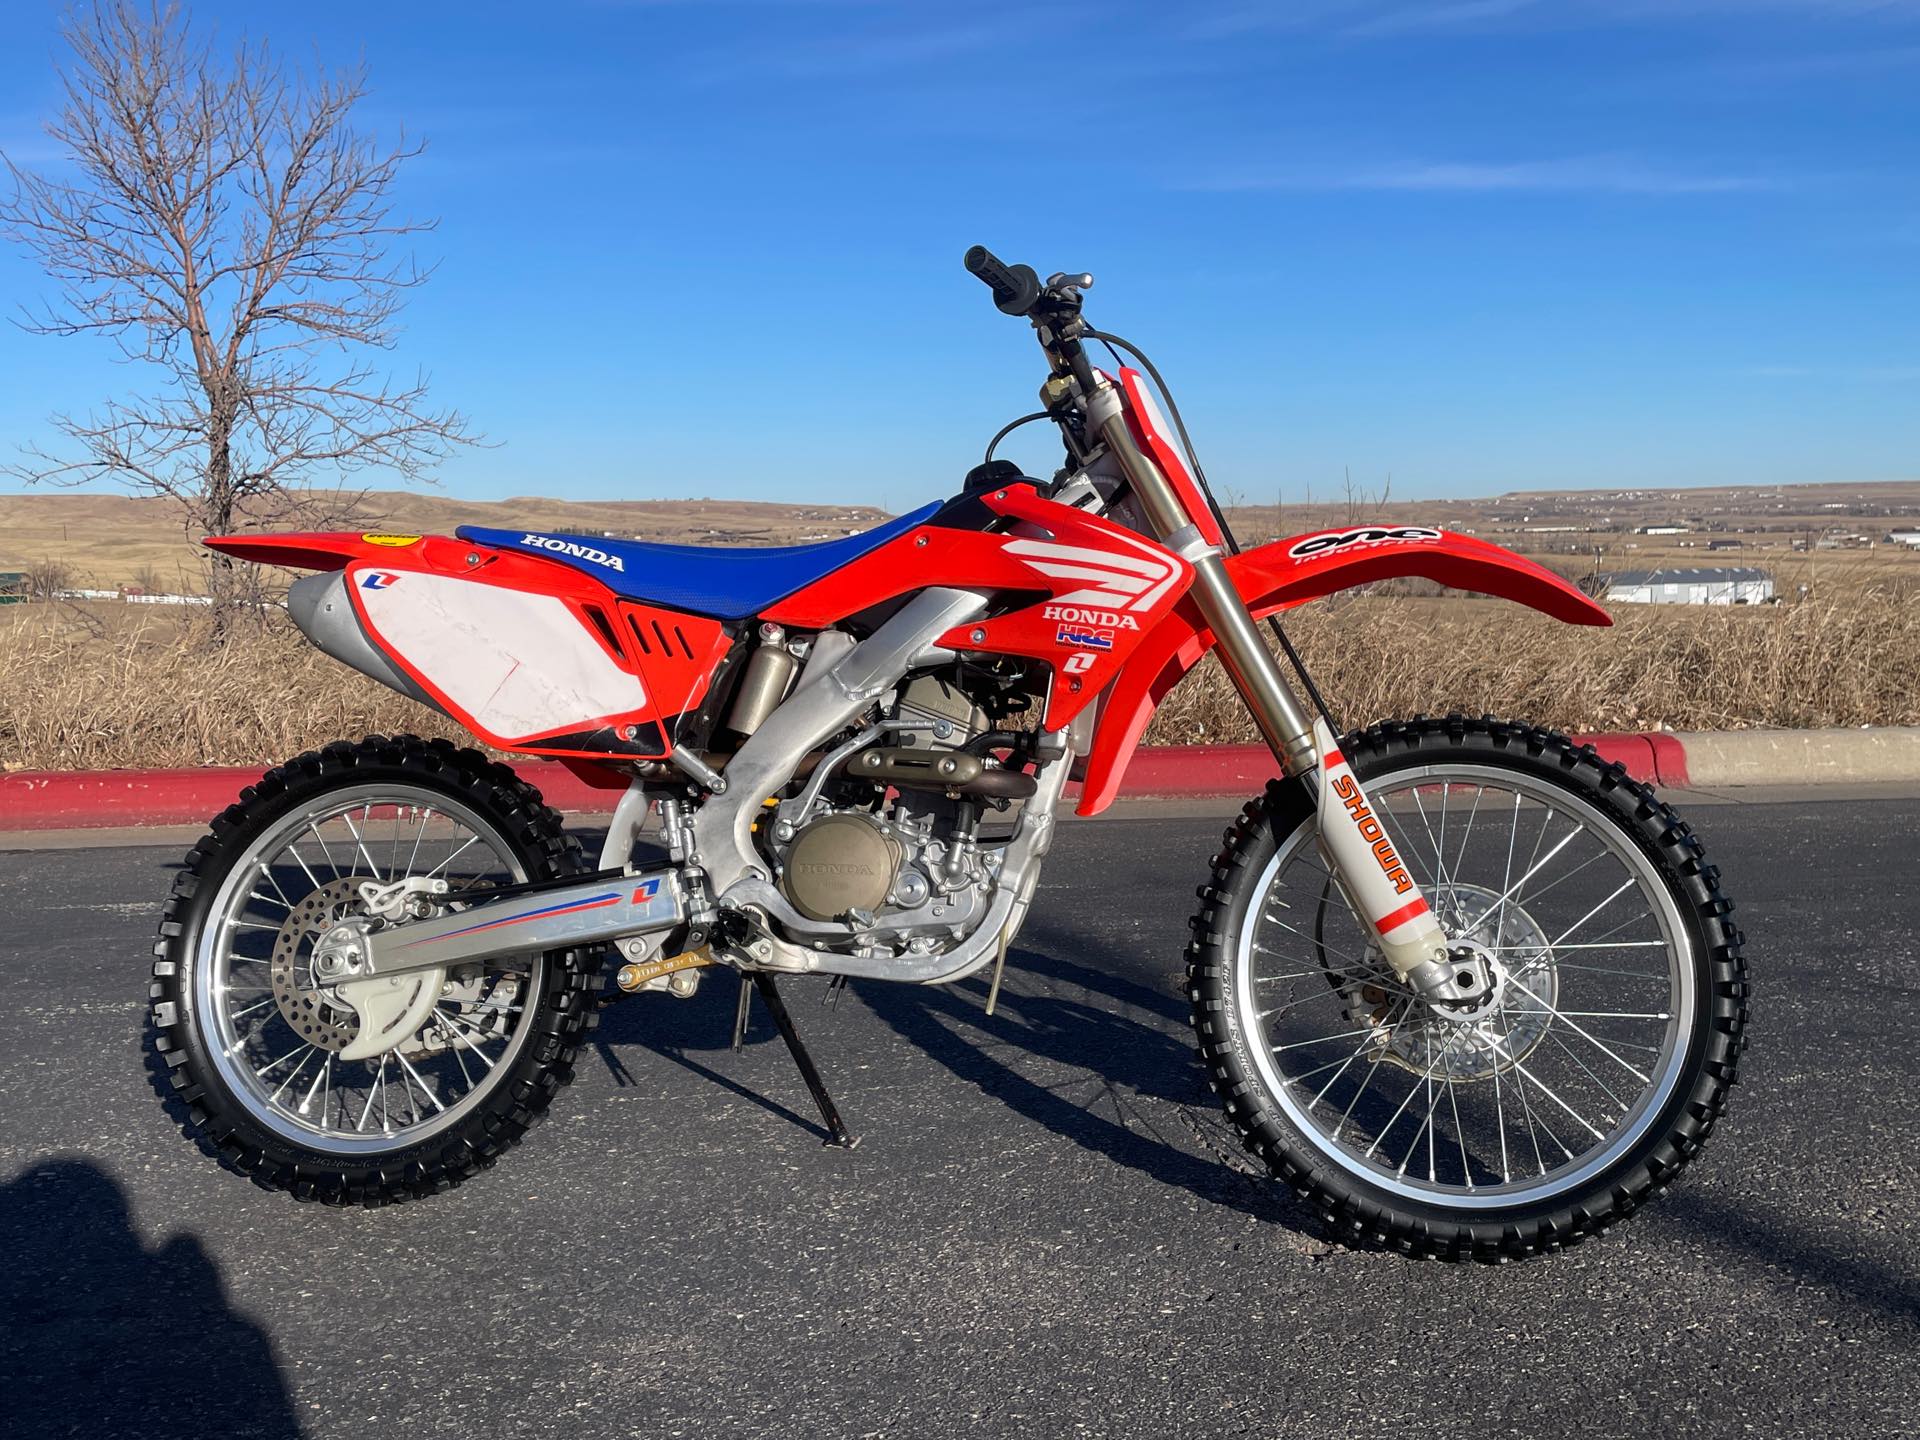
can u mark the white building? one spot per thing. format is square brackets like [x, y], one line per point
[1690, 587]
[1905, 537]
[1665, 529]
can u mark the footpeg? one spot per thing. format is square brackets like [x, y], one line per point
[676, 974]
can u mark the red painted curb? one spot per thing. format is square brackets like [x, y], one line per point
[90, 799]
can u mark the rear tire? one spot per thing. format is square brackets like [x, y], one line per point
[200, 1092]
[1363, 1207]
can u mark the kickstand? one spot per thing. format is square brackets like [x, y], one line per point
[740, 1013]
[836, 1127]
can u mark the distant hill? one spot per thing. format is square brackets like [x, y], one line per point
[110, 539]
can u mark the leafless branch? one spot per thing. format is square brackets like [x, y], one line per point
[221, 220]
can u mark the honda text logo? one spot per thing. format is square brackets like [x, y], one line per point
[1077, 616]
[574, 548]
[1363, 535]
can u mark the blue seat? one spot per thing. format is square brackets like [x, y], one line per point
[728, 583]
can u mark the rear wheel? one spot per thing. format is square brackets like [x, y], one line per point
[252, 1044]
[1589, 1075]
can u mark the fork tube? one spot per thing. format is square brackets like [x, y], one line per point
[1283, 721]
[1382, 893]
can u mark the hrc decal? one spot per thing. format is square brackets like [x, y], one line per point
[645, 891]
[391, 540]
[1085, 638]
[378, 580]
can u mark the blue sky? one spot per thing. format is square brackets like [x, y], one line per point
[712, 247]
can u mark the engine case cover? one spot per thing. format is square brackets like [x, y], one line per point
[840, 863]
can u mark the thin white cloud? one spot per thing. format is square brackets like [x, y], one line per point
[1574, 175]
[847, 56]
[1425, 19]
[1772, 69]
[1851, 374]
[1387, 19]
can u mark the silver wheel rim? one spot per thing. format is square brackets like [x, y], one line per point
[272, 1049]
[1599, 1015]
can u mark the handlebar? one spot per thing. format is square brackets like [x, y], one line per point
[1016, 288]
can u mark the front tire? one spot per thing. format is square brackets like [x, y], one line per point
[232, 985]
[1541, 1119]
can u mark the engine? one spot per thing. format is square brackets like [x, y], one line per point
[884, 837]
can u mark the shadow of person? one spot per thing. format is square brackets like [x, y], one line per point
[106, 1337]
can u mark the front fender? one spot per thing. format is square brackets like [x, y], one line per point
[1290, 572]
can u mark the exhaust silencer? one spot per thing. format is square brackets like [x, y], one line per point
[321, 608]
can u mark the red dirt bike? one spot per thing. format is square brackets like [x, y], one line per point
[1466, 988]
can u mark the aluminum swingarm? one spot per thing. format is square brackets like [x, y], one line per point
[724, 871]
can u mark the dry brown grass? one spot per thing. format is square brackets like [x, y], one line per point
[113, 685]
[1852, 660]
[118, 685]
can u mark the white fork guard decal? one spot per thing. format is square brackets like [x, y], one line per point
[1377, 883]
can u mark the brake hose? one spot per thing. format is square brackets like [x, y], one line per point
[1008, 428]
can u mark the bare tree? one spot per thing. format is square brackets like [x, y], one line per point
[224, 223]
[49, 580]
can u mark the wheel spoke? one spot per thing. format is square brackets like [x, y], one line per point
[1581, 1030]
[380, 1081]
[451, 858]
[360, 844]
[419, 1079]
[332, 864]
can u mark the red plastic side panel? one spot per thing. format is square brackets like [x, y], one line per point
[1291, 572]
[1099, 589]
[671, 655]
[925, 556]
[1106, 590]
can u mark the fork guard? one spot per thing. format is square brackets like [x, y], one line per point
[1285, 573]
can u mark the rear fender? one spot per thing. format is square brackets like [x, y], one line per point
[319, 549]
[1286, 573]
[529, 654]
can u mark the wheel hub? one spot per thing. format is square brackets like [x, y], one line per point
[1516, 989]
[309, 1007]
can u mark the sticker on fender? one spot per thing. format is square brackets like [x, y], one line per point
[1083, 637]
[1363, 537]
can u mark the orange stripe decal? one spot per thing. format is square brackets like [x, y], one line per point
[1334, 757]
[1401, 916]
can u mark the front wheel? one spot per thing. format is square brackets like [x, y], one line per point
[1589, 1075]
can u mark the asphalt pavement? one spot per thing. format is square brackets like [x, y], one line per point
[1047, 1230]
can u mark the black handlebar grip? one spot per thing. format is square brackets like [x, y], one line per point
[1015, 287]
